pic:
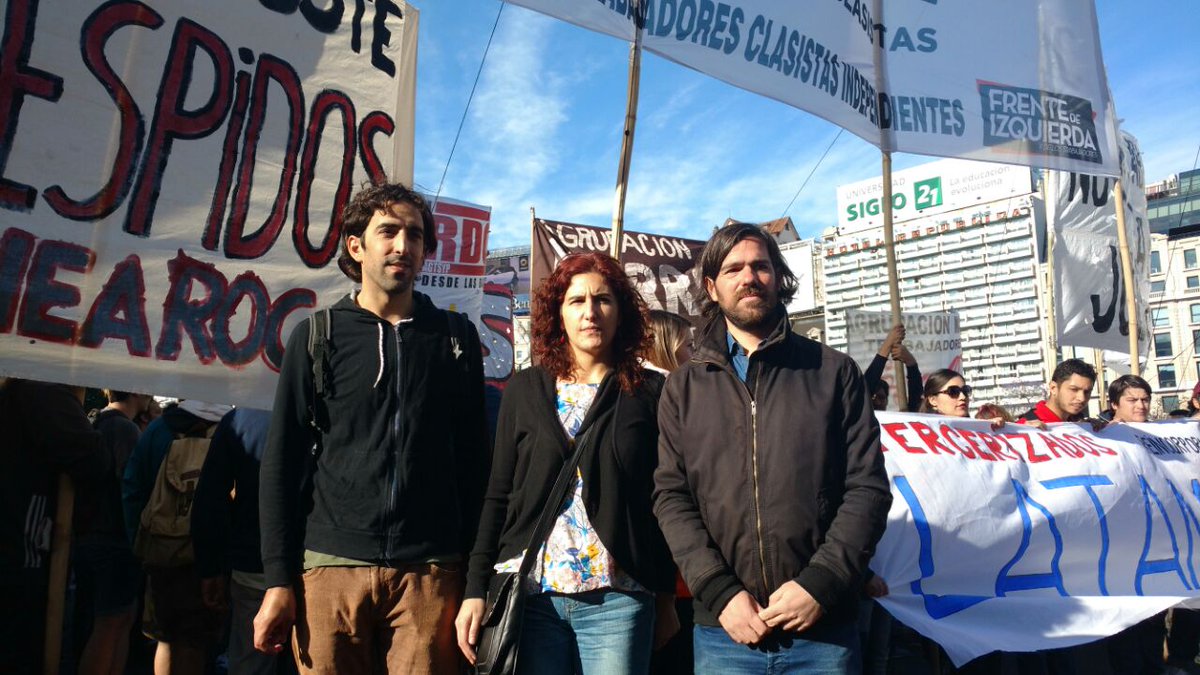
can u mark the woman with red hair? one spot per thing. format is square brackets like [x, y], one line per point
[604, 571]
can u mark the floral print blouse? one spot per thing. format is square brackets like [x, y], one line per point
[573, 559]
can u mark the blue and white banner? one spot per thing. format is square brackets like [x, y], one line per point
[927, 77]
[1018, 539]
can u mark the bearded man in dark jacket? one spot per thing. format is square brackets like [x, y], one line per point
[364, 540]
[770, 487]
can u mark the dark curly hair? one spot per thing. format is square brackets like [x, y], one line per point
[632, 341]
[372, 198]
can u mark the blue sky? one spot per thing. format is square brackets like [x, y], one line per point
[544, 127]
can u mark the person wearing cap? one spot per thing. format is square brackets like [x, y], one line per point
[175, 616]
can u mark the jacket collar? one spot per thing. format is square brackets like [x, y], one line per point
[713, 347]
[423, 306]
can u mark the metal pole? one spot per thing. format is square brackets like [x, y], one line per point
[1135, 365]
[631, 104]
[893, 279]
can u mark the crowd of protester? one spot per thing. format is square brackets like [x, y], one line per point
[358, 525]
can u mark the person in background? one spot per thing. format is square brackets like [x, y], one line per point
[226, 539]
[46, 433]
[893, 348]
[947, 393]
[1070, 391]
[989, 411]
[1129, 399]
[672, 348]
[770, 485]
[105, 567]
[601, 584]
[174, 615]
[1193, 404]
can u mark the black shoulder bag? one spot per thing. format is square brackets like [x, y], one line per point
[500, 632]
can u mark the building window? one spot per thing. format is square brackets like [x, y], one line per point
[1162, 344]
[1160, 318]
[1193, 283]
[1195, 313]
[1170, 403]
[1189, 259]
[1157, 287]
[1155, 263]
[1196, 341]
[1166, 377]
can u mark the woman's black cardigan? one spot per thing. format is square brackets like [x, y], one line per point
[617, 464]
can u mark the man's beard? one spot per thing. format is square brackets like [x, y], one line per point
[752, 318]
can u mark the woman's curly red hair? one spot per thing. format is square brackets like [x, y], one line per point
[632, 341]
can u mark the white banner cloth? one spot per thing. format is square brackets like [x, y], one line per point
[1089, 290]
[933, 338]
[933, 78]
[1020, 540]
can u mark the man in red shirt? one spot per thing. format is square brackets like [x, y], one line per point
[1070, 391]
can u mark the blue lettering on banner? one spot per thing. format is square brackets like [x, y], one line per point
[1087, 483]
[937, 606]
[1006, 583]
[1145, 566]
[1189, 523]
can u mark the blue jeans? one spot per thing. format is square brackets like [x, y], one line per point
[825, 648]
[601, 632]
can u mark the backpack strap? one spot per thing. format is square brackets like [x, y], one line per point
[319, 331]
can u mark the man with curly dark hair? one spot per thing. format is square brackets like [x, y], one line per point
[375, 465]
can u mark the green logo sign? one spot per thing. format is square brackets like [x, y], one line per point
[927, 193]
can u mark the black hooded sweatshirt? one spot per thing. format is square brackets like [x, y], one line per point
[400, 472]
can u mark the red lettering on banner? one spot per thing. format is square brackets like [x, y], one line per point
[325, 103]
[1027, 439]
[172, 120]
[894, 430]
[375, 122]
[97, 30]
[18, 80]
[229, 154]
[44, 292]
[953, 438]
[237, 244]
[16, 249]
[930, 438]
[995, 446]
[970, 436]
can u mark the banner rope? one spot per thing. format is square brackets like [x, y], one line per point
[810, 173]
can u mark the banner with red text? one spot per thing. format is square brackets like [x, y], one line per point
[171, 179]
[932, 78]
[660, 266]
[1019, 540]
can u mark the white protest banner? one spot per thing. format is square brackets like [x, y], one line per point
[454, 276]
[172, 178]
[1089, 288]
[933, 338]
[1019, 540]
[799, 257]
[924, 77]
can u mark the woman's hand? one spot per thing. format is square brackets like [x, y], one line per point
[997, 423]
[666, 620]
[470, 616]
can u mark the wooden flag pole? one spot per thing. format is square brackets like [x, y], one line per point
[60, 553]
[1050, 357]
[631, 105]
[1135, 366]
[889, 244]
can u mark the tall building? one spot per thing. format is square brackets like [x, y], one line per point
[1174, 361]
[1174, 202]
[965, 241]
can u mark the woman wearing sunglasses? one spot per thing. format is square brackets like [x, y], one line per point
[947, 393]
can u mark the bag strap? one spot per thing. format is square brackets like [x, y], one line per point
[318, 351]
[550, 511]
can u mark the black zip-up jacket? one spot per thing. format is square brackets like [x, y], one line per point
[617, 465]
[224, 528]
[402, 468]
[779, 478]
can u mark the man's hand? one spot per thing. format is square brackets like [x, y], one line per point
[875, 587]
[213, 592]
[791, 608]
[741, 620]
[900, 353]
[274, 620]
[894, 337]
[466, 626]
[666, 620]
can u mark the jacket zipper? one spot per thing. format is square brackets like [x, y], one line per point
[393, 469]
[762, 555]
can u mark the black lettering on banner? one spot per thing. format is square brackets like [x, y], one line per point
[376, 122]
[1092, 190]
[229, 155]
[1101, 322]
[43, 292]
[15, 248]
[97, 29]
[18, 80]
[123, 294]
[247, 287]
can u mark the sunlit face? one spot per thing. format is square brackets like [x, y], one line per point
[391, 250]
[590, 316]
[1072, 395]
[746, 288]
[953, 400]
[1133, 406]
